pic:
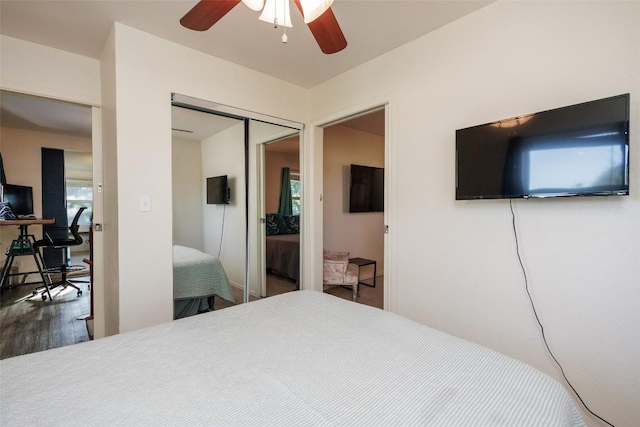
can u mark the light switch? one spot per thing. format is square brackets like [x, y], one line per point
[145, 203]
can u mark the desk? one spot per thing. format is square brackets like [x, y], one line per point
[21, 246]
[361, 262]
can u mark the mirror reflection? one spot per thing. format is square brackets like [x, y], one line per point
[209, 211]
[282, 190]
[224, 182]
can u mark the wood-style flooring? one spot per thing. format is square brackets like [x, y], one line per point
[367, 295]
[29, 324]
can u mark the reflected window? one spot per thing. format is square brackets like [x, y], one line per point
[295, 192]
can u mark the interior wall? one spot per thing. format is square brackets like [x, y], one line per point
[187, 189]
[223, 154]
[21, 154]
[34, 69]
[361, 234]
[274, 162]
[148, 70]
[454, 263]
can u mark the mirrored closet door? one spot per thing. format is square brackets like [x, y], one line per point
[218, 188]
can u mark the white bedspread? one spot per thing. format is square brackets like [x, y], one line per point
[197, 274]
[299, 359]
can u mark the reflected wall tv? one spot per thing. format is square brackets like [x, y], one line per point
[366, 189]
[218, 190]
[579, 150]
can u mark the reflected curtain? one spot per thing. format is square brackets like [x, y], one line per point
[285, 206]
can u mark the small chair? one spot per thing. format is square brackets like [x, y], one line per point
[61, 238]
[337, 271]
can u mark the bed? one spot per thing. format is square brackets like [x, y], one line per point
[300, 358]
[197, 277]
[283, 255]
[283, 245]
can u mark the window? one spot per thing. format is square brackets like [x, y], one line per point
[79, 193]
[294, 176]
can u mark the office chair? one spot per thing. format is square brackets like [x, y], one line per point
[61, 238]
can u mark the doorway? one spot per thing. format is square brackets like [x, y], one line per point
[29, 125]
[354, 200]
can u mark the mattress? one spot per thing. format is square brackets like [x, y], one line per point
[283, 254]
[300, 358]
[198, 275]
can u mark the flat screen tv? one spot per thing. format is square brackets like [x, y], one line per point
[217, 190]
[366, 190]
[20, 197]
[579, 150]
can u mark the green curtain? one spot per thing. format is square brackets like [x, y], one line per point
[285, 207]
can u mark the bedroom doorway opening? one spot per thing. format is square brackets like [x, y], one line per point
[355, 194]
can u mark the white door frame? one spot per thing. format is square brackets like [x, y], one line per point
[314, 216]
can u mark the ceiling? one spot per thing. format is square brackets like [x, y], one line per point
[370, 27]
[82, 26]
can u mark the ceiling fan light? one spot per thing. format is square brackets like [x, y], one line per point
[312, 9]
[254, 4]
[276, 12]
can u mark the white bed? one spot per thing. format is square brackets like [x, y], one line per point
[301, 358]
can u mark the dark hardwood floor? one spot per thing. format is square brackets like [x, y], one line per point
[28, 324]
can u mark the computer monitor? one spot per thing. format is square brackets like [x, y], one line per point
[20, 197]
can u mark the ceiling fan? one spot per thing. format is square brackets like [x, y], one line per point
[317, 15]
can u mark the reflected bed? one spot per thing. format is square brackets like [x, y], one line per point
[197, 276]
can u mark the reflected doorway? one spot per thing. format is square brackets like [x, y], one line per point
[282, 206]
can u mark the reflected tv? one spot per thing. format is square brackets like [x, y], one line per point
[579, 150]
[218, 190]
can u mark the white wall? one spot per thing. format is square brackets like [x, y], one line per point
[454, 264]
[34, 69]
[147, 70]
[361, 234]
[223, 154]
[187, 188]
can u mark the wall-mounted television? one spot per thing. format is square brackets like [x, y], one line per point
[20, 197]
[579, 150]
[218, 192]
[366, 189]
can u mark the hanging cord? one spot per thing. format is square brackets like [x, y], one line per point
[224, 210]
[535, 313]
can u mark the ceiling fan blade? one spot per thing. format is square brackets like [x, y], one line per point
[206, 13]
[326, 31]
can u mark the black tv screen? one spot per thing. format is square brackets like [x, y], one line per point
[217, 190]
[579, 150]
[20, 197]
[366, 192]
